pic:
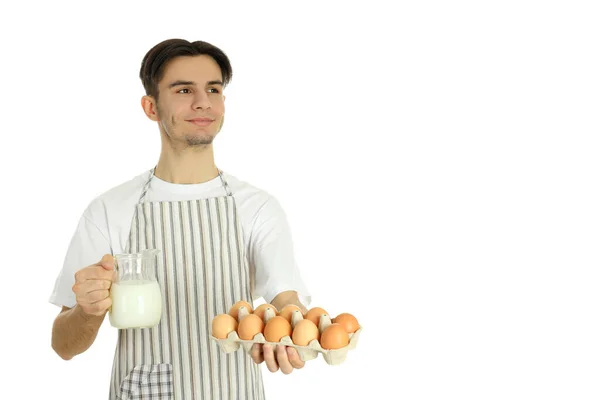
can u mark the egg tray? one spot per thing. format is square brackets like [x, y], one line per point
[306, 353]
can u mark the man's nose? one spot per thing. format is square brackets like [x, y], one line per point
[201, 101]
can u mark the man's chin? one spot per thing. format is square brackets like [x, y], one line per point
[196, 141]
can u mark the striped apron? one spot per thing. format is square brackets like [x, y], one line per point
[202, 271]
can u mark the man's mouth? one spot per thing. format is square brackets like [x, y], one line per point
[201, 121]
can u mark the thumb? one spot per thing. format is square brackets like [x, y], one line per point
[107, 262]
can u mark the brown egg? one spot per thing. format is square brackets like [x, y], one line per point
[276, 328]
[314, 314]
[260, 310]
[223, 325]
[304, 332]
[348, 321]
[334, 337]
[286, 312]
[233, 311]
[249, 326]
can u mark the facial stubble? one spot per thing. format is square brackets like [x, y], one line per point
[191, 140]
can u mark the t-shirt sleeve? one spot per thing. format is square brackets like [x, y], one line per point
[87, 247]
[272, 255]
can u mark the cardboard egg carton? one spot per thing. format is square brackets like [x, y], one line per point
[306, 353]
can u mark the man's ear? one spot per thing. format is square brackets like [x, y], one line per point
[149, 106]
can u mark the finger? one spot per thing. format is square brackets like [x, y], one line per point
[90, 285]
[98, 308]
[107, 262]
[96, 296]
[294, 358]
[256, 353]
[93, 297]
[96, 284]
[282, 360]
[269, 357]
[93, 272]
[80, 276]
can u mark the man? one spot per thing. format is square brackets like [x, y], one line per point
[184, 84]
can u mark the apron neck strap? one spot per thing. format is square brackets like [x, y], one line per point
[153, 170]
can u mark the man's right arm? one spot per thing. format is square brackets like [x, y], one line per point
[74, 331]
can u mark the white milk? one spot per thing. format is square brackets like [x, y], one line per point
[135, 304]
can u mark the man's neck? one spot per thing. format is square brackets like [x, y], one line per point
[193, 165]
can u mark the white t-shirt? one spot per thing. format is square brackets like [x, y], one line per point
[107, 222]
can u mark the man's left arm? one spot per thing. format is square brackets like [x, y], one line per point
[278, 278]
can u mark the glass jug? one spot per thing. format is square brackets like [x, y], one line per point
[135, 294]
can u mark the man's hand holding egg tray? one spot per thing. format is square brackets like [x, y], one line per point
[286, 339]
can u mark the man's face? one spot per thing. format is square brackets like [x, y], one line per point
[191, 105]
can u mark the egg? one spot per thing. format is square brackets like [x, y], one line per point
[233, 311]
[334, 337]
[314, 314]
[250, 326]
[348, 321]
[286, 312]
[304, 332]
[223, 325]
[260, 310]
[276, 328]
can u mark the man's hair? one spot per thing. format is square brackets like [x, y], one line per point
[157, 58]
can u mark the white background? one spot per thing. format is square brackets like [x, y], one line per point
[438, 161]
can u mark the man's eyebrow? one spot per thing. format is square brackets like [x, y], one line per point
[192, 83]
[181, 83]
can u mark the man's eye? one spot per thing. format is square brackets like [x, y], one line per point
[184, 91]
[215, 90]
